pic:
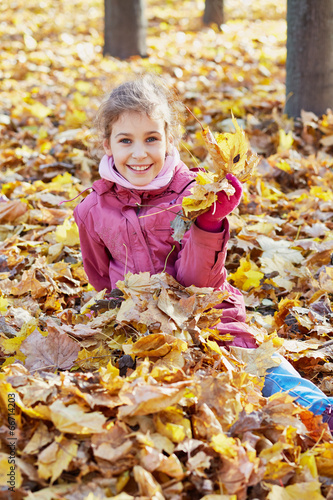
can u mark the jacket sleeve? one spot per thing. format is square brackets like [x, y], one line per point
[201, 260]
[95, 255]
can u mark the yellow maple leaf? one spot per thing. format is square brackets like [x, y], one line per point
[284, 165]
[3, 304]
[38, 110]
[247, 275]
[324, 459]
[321, 193]
[60, 180]
[19, 356]
[75, 118]
[286, 140]
[308, 461]
[226, 446]
[205, 177]
[200, 199]
[10, 346]
[67, 233]
[172, 424]
[109, 373]
[233, 148]
[306, 491]
[92, 360]
[230, 154]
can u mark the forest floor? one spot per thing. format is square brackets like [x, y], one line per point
[124, 403]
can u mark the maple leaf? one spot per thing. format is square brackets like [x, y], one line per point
[31, 284]
[3, 304]
[67, 233]
[306, 491]
[148, 486]
[205, 424]
[12, 210]
[142, 398]
[56, 457]
[112, 452]
[247, 275]
[233, 148]
[40, 438]
[324, 456]
[272, 247]
[56, 351]
[36, 390]
[229, 153]
[157, 344]
[173, 424]
[74, 419]
[93, 359]
[238, 464]
[288, 200]
[257, 361]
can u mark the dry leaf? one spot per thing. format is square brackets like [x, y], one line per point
[56, 458]
[56, 351]
[75, 420]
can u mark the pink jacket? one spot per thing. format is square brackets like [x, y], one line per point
[125, 230]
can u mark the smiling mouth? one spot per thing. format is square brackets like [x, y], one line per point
[139, 168]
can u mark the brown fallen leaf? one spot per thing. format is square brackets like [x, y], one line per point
[56, 351]
[148, 486]
[40, 438]
[31, 284]
[12, 210]
[113, 444]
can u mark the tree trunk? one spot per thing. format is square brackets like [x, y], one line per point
[309, 82]
[213, 12]
[124, 28]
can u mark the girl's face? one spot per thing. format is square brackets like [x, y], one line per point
[138, 145]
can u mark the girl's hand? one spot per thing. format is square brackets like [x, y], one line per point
[212, 220]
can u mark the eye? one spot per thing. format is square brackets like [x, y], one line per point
[125, 141]
[152, 139]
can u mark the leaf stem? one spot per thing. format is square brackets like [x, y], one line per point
[188, 109]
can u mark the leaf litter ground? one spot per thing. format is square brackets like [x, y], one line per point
[133, 397]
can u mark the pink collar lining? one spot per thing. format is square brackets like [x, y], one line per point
[107, 171]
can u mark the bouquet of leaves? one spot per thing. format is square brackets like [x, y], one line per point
[230, 153]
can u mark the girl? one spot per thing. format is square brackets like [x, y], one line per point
[124, 224]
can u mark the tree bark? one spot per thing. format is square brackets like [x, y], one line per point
[124, 28]
[213, 12]
[309, 82]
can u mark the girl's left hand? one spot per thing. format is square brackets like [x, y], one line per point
[212, 219]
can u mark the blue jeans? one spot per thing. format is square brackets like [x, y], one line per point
[285, 378]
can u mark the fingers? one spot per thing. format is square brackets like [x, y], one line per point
[234, 181]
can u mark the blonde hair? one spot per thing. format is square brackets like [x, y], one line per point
[146, 94]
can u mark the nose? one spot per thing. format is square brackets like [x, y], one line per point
[139, 152]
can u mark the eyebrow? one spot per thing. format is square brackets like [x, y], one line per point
[147, 133]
